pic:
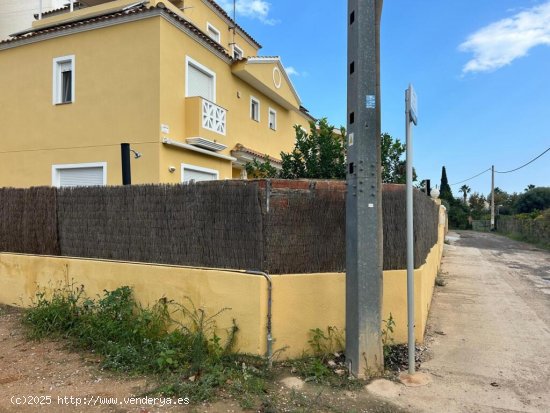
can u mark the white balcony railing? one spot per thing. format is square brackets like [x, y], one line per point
[214, 118]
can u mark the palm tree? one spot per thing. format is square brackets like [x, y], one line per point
[465, 189]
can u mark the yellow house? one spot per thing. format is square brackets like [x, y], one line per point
[180, 81]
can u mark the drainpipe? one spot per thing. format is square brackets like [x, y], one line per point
[269, 295]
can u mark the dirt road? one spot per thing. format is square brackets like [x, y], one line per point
[492, 330]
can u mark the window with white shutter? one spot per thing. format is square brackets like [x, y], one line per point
[200, 81]
[192, 173]
[237, 52]
[85, 174]
[254, 109]
[63, 79]
[272, 119]
[213, 32]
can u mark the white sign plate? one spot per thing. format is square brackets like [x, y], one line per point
[413, 102]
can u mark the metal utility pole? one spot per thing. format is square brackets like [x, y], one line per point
[492, 197]
[410, 116]
[364, 260]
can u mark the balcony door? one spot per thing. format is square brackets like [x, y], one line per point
[200, 81]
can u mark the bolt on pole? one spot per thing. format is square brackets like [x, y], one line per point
[364, 261]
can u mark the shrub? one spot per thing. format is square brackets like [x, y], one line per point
[189, 358]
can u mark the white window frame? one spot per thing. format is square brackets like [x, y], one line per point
[201, 67]
[211, 28]
[57, 82]
[274, 112]
[56, 176]
[255, 100]
[237, 48]
[185, 166]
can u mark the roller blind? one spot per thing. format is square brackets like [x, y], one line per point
[193, 175]
[92, 176]
[65, 66]
[199, 83]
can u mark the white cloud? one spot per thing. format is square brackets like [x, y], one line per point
[292, 71]
[500, 43]
[255, 9]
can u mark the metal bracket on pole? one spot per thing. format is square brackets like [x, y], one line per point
[364, 261]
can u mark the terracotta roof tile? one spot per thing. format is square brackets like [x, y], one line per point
[240, 148]
[115, 15]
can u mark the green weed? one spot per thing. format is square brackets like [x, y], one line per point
[387, 339]
[324, 344]
[188, 358]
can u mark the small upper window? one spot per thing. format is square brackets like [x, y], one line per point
[63, 80]
[213, 32]
[272, 119]
[254, 109]
[237, 52]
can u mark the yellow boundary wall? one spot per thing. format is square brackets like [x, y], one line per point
[300, 302]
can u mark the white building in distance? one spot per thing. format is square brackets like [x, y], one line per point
[18, 15]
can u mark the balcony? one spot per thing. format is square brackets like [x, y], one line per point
[204, 118]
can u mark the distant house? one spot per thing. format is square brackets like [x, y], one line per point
[184, 85]
[16, 15]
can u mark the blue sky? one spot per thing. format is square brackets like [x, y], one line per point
[481, 70]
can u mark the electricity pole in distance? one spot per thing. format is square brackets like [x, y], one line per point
[364, 257]
[492, 197]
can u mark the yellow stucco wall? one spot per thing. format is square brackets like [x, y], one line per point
[124, 93]
[211, 289]
[264, 73]
[110, 106]
[197, 12]
[299, 302]
[232, 94]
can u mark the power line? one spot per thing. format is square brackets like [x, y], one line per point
[475, 176]
[524, 165]
[503, 172]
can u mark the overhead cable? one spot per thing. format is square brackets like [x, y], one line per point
[524, 165]
[475, 176]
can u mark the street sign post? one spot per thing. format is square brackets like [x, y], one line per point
[411, 112]
[364, 353]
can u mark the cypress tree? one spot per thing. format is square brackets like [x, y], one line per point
[445, 189]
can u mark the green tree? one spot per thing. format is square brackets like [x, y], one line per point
[260, 170]
[319, 154]
[529, 187]
[394, 167]
[458, 215]
[501, 198]
[465, 189]
[444, 188]
[537, 199]
[478, 206]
